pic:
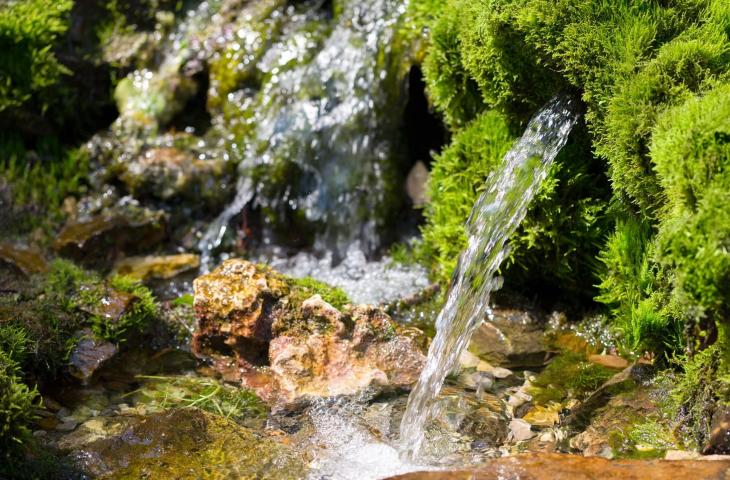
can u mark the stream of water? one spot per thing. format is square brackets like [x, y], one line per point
[326, 116]
[495, 216]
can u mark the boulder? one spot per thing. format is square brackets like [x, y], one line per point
[259, 329]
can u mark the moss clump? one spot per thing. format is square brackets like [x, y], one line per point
[303, 288]
[137, 318]
[17, 402]
[567, 376]
[702, 389]
[31, 72]
[635, 288]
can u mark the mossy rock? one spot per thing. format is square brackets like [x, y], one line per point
[189, 444]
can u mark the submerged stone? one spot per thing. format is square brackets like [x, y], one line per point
[511, 338]
[288, 344]
[188, 444]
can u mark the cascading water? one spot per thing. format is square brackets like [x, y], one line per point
[495, 216]
[325, 113]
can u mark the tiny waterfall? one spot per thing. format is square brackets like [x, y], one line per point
[326, 113]
[494, 217]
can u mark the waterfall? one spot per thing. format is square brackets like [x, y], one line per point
[494, 218]
[326, 113]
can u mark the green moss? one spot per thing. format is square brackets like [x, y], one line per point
[564, 227]
[450, 88]
[634, 287]
[568, 375]
[30, 72]
[704, 384]
[136, 319]
[303, 288]
[45, 177]
[17, 402]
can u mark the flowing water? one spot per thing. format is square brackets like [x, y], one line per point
[320, 106]
[494, 217]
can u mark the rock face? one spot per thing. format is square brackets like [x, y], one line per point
[552, 466]
[156, 267]
[261, 330]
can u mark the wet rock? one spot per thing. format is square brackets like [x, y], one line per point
[156, 267]
[27, 260]
[719, 441]
[168, 172]
[89, 353]
[102, 237]
[520, 430]
[544, 416]
[551, 466]
[249, 316]
[614, 428]
[512, 338]
[112, 303]
[610, 361]
[184, 444]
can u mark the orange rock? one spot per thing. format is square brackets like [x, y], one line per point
[610, 361]
[550, 466]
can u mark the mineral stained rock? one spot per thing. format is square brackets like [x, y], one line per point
[259, 329]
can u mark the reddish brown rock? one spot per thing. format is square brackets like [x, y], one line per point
[257, 332]
[552, 466]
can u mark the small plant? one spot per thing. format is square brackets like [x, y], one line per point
[203, 393]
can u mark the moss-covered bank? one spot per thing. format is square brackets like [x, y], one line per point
[635, 205]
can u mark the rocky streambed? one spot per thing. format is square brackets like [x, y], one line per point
[261, 375]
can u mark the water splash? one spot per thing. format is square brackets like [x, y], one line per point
[494, 217]
[366, 282]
